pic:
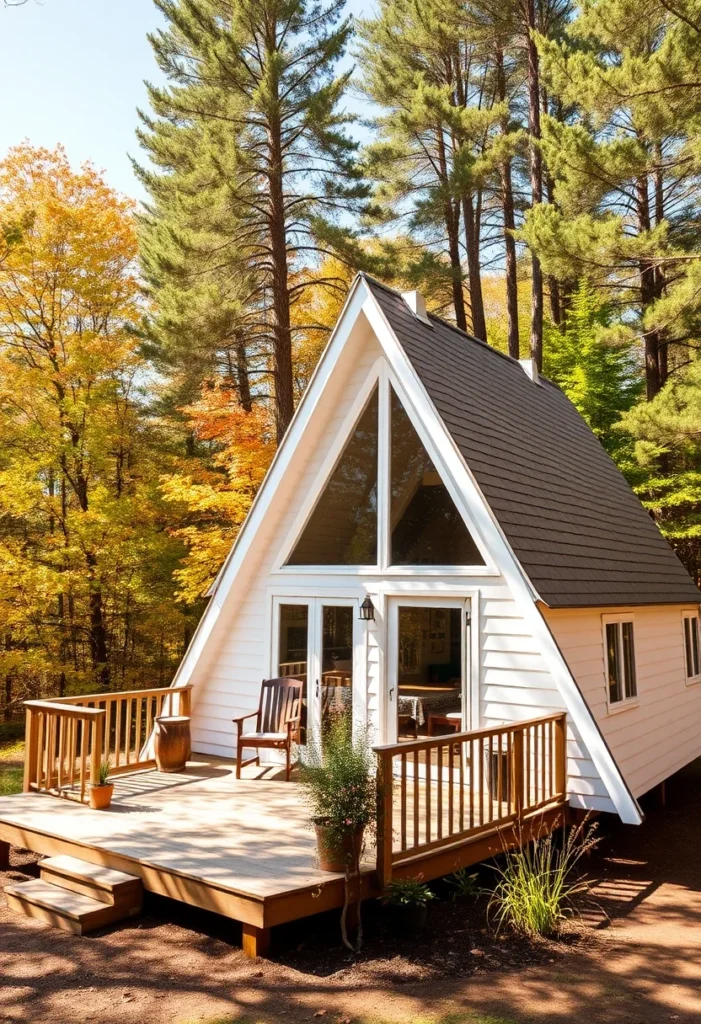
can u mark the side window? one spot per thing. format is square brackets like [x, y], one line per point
[691, 646]
[620, 661]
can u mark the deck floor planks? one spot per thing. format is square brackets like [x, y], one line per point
[249, 836]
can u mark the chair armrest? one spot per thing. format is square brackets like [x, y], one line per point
[242, 718]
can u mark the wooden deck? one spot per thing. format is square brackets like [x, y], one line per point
[241, 848]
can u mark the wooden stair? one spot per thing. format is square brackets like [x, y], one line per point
[76, 896]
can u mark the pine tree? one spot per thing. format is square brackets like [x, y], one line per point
[256, 75]
[597, 372]
[439, 121]
[625, 169]
[666, 468]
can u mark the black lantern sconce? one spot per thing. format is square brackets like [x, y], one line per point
[367, 610]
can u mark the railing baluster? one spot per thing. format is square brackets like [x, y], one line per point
[117, 731]
[41, 734]
[416, 835]
[427, 789]
[472, 784]
[439, 795]
[451, 770]
[461, 779]
[403, 802]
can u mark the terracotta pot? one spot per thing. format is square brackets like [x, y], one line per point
[101, 796]
[333, 857]
[171, 742]
[408, 918]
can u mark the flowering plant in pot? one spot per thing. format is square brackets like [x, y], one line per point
[100, 793]
[338, 776]
[408, 899]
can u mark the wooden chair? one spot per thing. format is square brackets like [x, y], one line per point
[278, 721]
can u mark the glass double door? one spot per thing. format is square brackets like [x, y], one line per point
[315, 642]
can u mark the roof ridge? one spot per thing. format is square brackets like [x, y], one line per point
[453, 327]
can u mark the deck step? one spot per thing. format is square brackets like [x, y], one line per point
[62, 908]
[115, 888]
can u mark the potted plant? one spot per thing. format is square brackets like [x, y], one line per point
[408, 899]
[339, 779]
[100, 793]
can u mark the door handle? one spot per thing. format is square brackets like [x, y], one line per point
[391, 692]
[317, 687]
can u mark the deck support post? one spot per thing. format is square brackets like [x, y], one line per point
[255, 941]
[4, 855]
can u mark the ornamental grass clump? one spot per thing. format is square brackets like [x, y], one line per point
[535, 888]
[338, 776]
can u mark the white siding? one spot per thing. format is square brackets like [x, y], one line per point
[661, 732]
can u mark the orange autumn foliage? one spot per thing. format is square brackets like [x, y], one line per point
[213, 498]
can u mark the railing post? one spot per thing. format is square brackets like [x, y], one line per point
[31, 735]
[384, 819]
[561, 756]
[96, 748]
[185, 702]
[517, 773]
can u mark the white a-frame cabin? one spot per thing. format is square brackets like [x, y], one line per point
[442, 544]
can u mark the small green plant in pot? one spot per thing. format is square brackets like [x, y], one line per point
[100, 793]
[338, 777]
[408, 899]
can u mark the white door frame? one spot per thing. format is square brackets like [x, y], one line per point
[315, 605]
[468, 602]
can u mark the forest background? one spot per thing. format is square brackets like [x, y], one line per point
[531, 166]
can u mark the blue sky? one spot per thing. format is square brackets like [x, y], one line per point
[74, 72]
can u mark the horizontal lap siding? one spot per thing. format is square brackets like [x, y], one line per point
[658, 736]
[228, 682]
[516, 684]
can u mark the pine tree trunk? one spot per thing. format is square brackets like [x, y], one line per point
[507, 203]
[536, 177]
[474, 276]
[452, 227]
[244, 384]
[648, 294]
[552, 281]
[282, 334]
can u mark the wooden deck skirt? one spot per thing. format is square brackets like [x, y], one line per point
[243, 848]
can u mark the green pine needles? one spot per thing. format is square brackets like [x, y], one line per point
[535, 886]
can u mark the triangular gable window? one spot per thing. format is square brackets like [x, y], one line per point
[342, 529]
[425, 526]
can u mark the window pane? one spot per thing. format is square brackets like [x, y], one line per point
[631, 685]
[613, 656]
[293, 648]
[342, 529]
[429, 676]
[336, 665]
[695, 645]
[688, 625]
[426, 528]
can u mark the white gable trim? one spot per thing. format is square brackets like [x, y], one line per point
[466, 487]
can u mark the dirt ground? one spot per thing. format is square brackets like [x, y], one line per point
[631, 957]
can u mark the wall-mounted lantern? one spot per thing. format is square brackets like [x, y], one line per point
[367, 610]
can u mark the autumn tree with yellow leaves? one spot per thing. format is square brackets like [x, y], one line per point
[86, 558]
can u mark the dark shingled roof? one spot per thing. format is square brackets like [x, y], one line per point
[579, 532]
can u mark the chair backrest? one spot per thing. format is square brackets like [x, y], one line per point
[280, 702]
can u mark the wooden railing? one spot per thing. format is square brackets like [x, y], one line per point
[444, 790]
[67, 738]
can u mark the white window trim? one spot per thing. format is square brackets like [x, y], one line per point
[691, 613]
[628, 702]
[379, 376]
